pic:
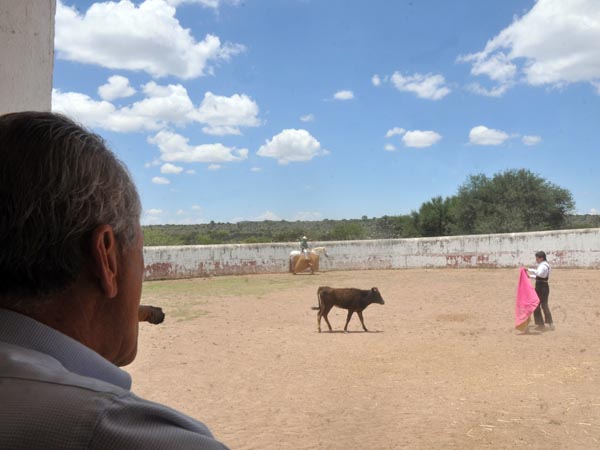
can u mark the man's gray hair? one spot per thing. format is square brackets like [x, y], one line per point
[58, 182]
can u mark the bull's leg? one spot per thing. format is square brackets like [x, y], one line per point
[325, 312]
[319, 315]
[361, 320]
[350, 312]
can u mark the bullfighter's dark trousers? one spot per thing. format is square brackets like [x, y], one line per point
[543, 291]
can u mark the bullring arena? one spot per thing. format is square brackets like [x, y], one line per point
[443, 366]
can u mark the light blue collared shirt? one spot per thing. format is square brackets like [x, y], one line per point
[56, 393]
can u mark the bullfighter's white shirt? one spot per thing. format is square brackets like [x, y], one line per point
[542, 271]
[56, 393]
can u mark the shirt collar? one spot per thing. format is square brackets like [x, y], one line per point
[21, 330]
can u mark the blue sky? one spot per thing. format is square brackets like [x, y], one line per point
[311, 109]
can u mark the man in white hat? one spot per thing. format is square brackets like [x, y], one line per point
[304, 247]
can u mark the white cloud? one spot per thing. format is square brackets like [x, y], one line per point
[343, 95]
[420, 139]
[255, 169]
[175, 148]
[160, 180]
[555, 43]
[268, 215]
[307, 118]
[162, 106]
[190, 221]
[497, 67]
[496, 91]
[214, 166]
[214, 4]
[190, 172]
[308, 216]
[84, 109]
[116, 87]
[291, 145]
[153, 163]
[429, 86]
[531, 140]
[152, 217]
[196, 208]
[180, 212]
[148, 37]
[395, 131]
[169, 168]
[482, 135]
[376, 80]
[415, 138]
[594, 212]
[224, 115]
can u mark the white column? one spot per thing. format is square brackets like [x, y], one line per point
[26, 54]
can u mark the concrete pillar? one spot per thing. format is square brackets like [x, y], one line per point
[26, 54]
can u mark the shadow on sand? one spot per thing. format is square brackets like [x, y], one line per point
[349, 332]
[532, 331]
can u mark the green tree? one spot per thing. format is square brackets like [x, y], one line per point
[510, 201]
[583, 221]
[190, 238]
[346, 231]
[159, 235]
[436, 217]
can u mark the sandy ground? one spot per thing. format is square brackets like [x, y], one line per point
[442, 368]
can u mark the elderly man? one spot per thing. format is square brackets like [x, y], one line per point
[71, 269]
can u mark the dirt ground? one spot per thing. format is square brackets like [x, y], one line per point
[442, 367]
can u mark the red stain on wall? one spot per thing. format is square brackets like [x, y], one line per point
[469, 260]
[459, 260]
[158, 271]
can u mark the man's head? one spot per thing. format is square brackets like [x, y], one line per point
[69, 223]
[540, 256]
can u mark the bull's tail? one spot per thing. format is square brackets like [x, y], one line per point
[316, 308]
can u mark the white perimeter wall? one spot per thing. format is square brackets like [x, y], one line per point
[26, 54]
[569, 248]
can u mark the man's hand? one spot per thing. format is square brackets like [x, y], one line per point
[152, 314]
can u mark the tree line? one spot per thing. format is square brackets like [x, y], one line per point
[509, 201]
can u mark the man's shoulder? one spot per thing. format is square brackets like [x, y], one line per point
[30, 366]
[44, 399]
[132, 422]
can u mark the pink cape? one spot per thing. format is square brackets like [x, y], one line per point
[527, 301]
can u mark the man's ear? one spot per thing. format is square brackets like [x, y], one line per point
[105, 259]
